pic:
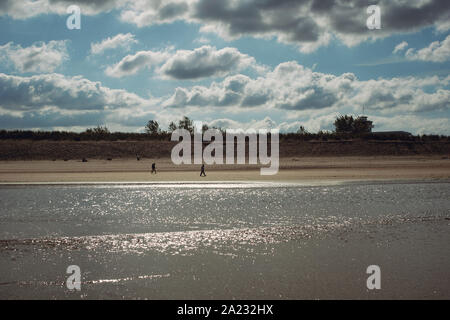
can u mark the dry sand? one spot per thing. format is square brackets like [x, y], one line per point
[291, 170]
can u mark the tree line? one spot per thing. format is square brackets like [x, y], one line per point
[152, 127]
[345, 127]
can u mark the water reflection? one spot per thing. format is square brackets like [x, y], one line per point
[225, 241]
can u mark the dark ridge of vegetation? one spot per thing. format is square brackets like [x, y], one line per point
[346, 128]
[88, 135]
[163, 135]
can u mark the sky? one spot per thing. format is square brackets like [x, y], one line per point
[231, 64]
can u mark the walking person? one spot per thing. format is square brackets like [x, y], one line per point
[202, 171]
[153, 168]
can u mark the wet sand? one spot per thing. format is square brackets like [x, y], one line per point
[291, 170]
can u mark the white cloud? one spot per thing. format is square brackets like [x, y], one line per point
[400, 47]
[131, 64]
[119, 40]
[406, 94]
[66, 93]
[202, 40]
[290, 86]
[40, 57]
[57, 101]
[436, 52]
[202, 62]
[144, 13]
[289, 90]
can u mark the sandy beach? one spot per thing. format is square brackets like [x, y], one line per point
[291, 170]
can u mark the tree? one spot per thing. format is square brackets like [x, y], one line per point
[344, 124]
[362, 125]
[98, 133]
[347, 124]
[186, 124]
[172, 127]
[152, 127]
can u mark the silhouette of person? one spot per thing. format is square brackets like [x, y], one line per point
[202, 171]
[153, 168]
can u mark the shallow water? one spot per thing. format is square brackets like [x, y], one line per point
[233, 240]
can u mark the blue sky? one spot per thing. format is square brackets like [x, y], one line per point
[244, 64]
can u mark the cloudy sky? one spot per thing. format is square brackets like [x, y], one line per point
[238, 63]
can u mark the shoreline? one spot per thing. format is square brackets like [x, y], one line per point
[292, 170]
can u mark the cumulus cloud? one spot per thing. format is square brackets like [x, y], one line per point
[119, 40]
[40, 57]
[406, 94]
[66, 93]
[135, 62]
[145, 13]
[438, 51]
[205, 61]
[56, 101]
[202, 62]
[289, 90]
[308, 24]
[290, 86]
